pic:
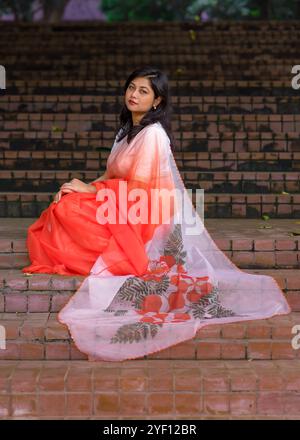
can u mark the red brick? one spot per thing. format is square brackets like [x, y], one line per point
[213, 382]
[16, 282]
[106, 380]
[243, 404]
[264, 245]
[259, 350]
[284, 245]
[188, 403]
[207, 350]
[52, 379]
[283, 350]
[270, 381]
[242, 244]
[24, 405]
[24, 380]
[106, 404]
[185, 350]
[16, 302]
[242, 380]
[233, 350]
[291, 404]
[160, 404]
[270, 404]
[79, 404]
[216, 404]
[234, 331]
[258, 331]
[133, 380]
[79, 379]
[38, 303]
[58, 350]
[39, 282]
[187, 379]
[31, 351]
[286, 259]
[51, 405]
[4, 406]
[163, 380]
[265, 259]
[59, 301]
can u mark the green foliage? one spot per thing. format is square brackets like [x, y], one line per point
[168, 10]
[145, 10]
[24, 10]
[21, 9]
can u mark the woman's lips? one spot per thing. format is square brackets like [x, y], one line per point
[132, 102]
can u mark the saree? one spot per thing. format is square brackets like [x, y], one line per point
[160, 277]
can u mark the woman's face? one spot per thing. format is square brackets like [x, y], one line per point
[139, 96]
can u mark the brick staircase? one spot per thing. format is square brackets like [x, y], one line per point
[236, 121]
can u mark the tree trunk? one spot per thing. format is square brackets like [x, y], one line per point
[54, 10]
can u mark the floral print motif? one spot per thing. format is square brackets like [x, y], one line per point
[165, 294]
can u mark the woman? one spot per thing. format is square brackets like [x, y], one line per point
[155, 276]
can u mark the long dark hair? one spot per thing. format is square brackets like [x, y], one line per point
[162, 113]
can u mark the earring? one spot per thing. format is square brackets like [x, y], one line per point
[154, 107]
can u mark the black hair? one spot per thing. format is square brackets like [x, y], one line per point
[162, 113]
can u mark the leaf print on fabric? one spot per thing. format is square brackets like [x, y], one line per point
[135, 332]
[209, 306]
[174, 247]
[136, 289]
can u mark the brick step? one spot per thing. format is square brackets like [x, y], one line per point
[40, 336]
[183, 91]
[235, 206]
[74, 102]
[78, 138]
[90, 27]
[210, 101]
[237, 87]
[239, 54]
[186, 161]
[199, 60]
[212, 123]
[187, 70]
[70, 121]
[249, 243]
[210, 181]
[150, 389]
[113, 82]
[93, 46]
[38, 293]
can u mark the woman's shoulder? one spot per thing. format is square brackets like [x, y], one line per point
[156, 128]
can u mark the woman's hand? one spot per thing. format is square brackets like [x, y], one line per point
[75, 185]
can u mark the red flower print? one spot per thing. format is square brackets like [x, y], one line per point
[169, 259]
[152, 303]
[180, 268]
[206, 288]
[176, 301]
[155, 319]
[181, 317]
[193, 296]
